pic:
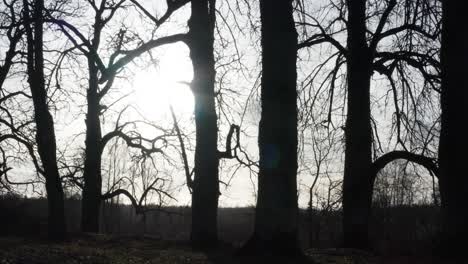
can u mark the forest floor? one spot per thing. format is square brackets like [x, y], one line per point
[104, 249]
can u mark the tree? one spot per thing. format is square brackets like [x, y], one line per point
[375, 45]
[91, 200]
[12, 123]
[358, 132]
[100, 82]
[206, 176]
[453, 142]
[45, 133]
[275, 230]
[360, 170]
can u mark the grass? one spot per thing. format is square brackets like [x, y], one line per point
[103, 249]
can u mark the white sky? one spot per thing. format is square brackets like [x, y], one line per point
[153, 88]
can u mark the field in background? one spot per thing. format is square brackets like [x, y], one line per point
[394, 231]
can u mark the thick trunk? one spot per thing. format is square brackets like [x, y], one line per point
[453, 142]
[45, 134]
[91, 202]
[205, 185]
[277, 211]
[357, 182]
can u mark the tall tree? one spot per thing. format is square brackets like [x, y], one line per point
[453, 142]
[206, 177]
[275, 230]
[100, 81]
[45, 133]
[91, 201]
[374, 45]
[357, 184]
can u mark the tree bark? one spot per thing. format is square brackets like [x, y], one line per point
[91, 201]
[357, 182]
[205, 185]
[275, 230]
[453, 143]
[45, 133]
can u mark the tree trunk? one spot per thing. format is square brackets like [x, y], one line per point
[205, 186]
[453, 143]
[357, 182]
[275, 230]
[91, 202]
[45, 134]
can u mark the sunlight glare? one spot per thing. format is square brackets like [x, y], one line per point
[167, 84]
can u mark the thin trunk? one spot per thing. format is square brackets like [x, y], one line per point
[45, 134]
[275, 230]
[91, 202]
[357, 182]
[205, 186]
[453, 143]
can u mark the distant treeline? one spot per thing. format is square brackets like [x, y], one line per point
[402, 229]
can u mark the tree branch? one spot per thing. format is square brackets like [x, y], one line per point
[429, 163]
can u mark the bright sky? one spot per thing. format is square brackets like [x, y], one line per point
[165, 84]
[154, 88]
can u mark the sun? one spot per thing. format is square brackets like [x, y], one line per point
[156, 88]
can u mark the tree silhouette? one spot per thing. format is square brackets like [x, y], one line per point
[101, 79]
[344, 84]
[358, 133]
[453, 142]
[374, 46]
[275, 230]
[13, 122]
[45, 132]
[205, 184]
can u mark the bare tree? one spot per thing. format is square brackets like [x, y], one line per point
[374, 45]
[12, 33]
[45, 132]
[100, 81]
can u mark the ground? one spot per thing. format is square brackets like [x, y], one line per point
[103, 249]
